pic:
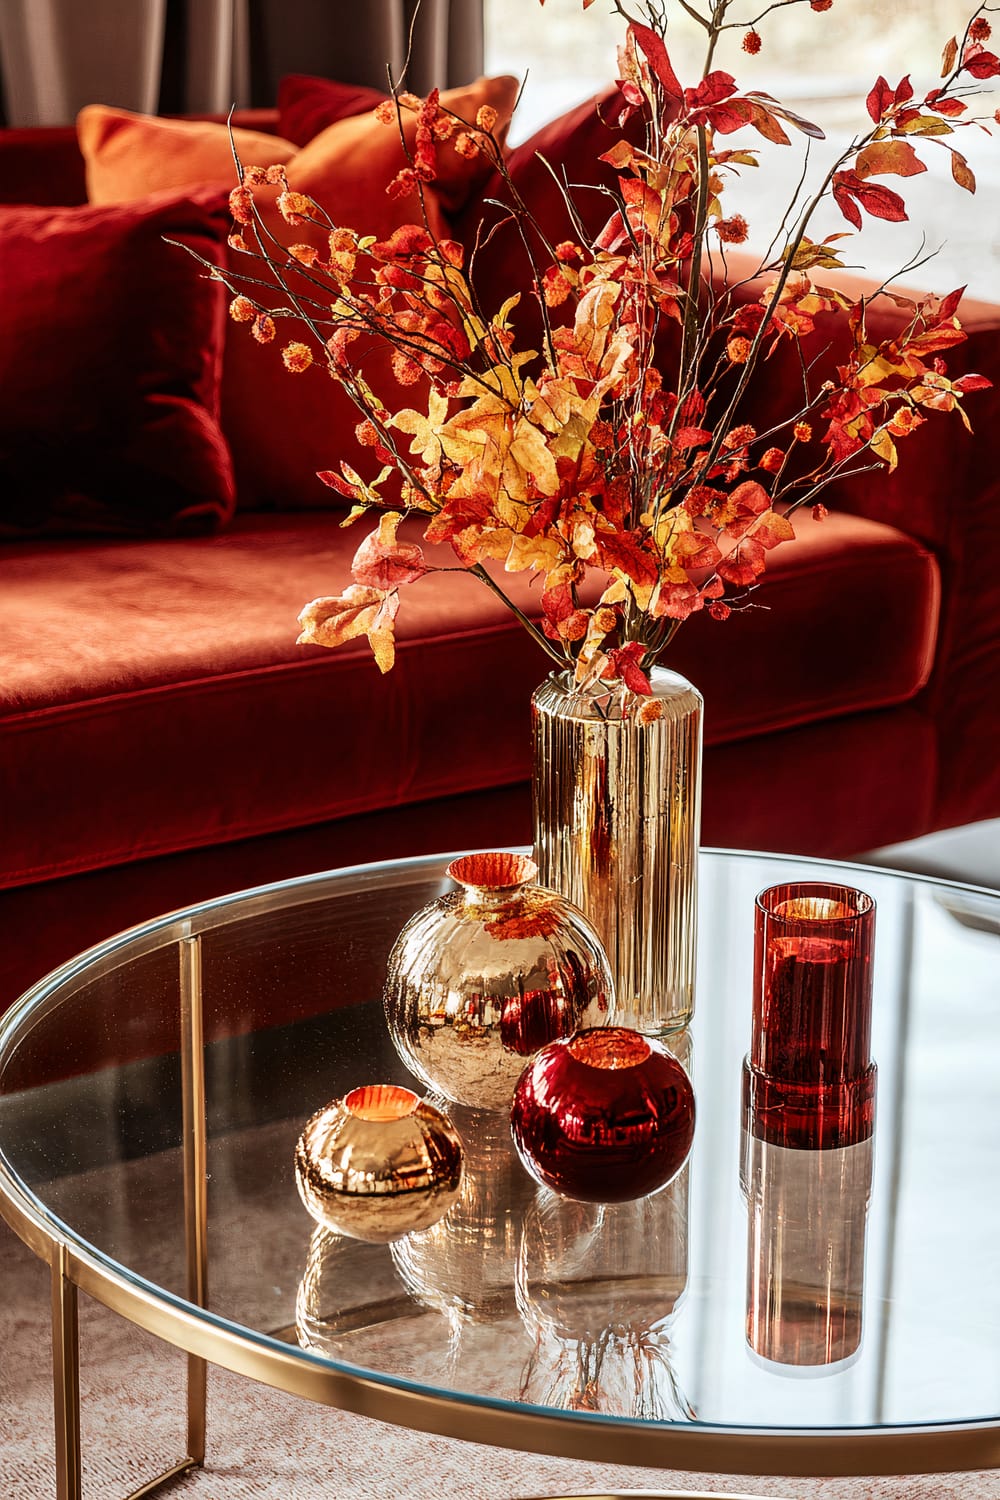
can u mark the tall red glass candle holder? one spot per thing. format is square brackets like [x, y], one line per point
[809, 1081]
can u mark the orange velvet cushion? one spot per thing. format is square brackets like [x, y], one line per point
[284, 428]
[128, 155]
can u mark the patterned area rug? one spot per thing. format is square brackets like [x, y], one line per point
[265, 1444]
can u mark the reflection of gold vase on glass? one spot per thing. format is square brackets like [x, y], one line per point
[463, 1266]
[807, 1219]
[598, 1288]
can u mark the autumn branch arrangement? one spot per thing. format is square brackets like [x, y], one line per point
[611, 460]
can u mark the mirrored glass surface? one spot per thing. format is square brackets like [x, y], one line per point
[763, 1288]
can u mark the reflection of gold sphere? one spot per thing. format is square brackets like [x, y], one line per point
[378, 1164]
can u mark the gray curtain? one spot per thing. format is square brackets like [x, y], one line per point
[193, 56]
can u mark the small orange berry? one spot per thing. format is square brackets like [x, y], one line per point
[820, 512]
[802, 432]
[980, 30]
[297, 357]
[732, 231]
[751, 42]
[820, 4]
[263, 329]
[241, 205]
[772, 460]
[242, 310]
[738, 350]
[486, 117]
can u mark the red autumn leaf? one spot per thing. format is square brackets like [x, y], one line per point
[888, 158]
[336, 483]
[714, 87]
[949, 306]
[880, 99]
[904, 91]
[772, 528]
[678, 600]
[966, 383]
[625, 553]
[980, 63]
[744, 563]
[656, 54]
[693, 549]
[625, 661]
[944, 106]
[750, 498]
[846, 204]
[377, 566]
[691, 437]
[730, 115]
[558, 602]
[880, 202]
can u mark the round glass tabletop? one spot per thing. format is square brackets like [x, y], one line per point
[770, 1311]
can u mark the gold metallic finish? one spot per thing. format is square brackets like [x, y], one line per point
[481, 979]
[195, 1176]
[162, 1480]
[617, 804]
[66, 1378]
[829, 1451]
[378, 1164]
[463, 1266]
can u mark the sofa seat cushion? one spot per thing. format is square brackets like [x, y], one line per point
[154, 699]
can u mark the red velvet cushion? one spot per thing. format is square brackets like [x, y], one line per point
[308, 105]
[167, 676]
[571, 146]
[110, 354]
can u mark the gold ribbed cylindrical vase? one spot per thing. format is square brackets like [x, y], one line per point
[617, 804]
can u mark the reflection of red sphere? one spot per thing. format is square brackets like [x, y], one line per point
[604, 1116]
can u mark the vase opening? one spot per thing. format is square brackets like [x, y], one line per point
[493, 871]
[819, 903]
[381, 1101]
[609, 1047]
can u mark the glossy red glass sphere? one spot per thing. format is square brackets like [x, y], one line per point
[604, 1116]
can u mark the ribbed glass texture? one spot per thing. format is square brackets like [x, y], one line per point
[617, 805]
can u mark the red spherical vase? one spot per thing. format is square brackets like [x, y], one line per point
[604, 1116]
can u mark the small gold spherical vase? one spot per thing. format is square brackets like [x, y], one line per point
[378, 1163]
[484, 977]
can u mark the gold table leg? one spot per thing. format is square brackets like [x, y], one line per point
[65, 1324]
[65, 1378]
[195, 1177]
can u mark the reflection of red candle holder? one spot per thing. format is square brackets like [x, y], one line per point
[809, 1080]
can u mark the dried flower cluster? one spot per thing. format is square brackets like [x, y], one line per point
[622, 475]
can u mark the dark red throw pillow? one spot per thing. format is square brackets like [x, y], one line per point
[308, 105]
[110, 362]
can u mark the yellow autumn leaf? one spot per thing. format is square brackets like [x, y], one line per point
[425, 430]
[538, 553]
[883, 445]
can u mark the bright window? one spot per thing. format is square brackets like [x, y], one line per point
[822, 64]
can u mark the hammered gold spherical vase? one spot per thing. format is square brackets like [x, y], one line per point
[486, 975]
[378, 1164]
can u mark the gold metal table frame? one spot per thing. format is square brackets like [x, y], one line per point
[208, 1339]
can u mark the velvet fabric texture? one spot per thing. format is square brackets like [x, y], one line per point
[110, 356]
[307, 105]
[157, 717]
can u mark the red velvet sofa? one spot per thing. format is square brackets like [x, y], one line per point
[163, 739]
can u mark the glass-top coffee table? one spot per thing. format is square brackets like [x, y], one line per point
[151, 1093]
